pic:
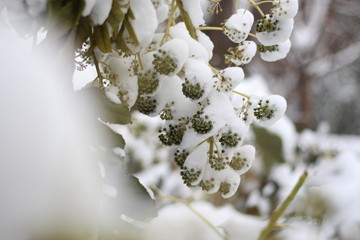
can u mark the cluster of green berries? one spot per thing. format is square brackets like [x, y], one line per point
[267, 24]
[180, 157]
[263, 111]
[229, 139]
[164, 63]
[207, 185]
[146, 104]
[172, 135]
[201, 123]
[218, 162]
[235, 53]
[148, 82]
[189, 175]
[222, 84]
[166, 114]
[224, 188]
[262, 48]
[237, 162]
[235, 35]
[192, 91]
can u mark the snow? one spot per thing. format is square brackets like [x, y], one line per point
[89, 5]
[162, 13]
[162, 10]
[238, 26]
[186, 224]
[247, 50]
[36, 7]
[179, 104]
[177, 49]
[242, 226]
[144, 24]
[127, 84]
[280, 53]
[300, 230]
[197, 71]
[201, 49]
[281, 34]
[285, 9]
[197, 160]
[277, 104]
[247, 155]
[206, 43]
[100, 11]
[234, 75]
[193, 9]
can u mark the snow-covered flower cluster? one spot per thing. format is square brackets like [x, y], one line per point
[167, 74]
[164, 71]
[272, 31]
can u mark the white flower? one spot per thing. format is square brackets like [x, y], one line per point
[194, 10]
[198, 80]
[241, 54]
[285, 9]
[242, 159]
[227, 79]
[170, 58]
[162, 9]
[144, 24]
[271, 30]
[275, 52]
[267, 110]
[238, 26]
[194, 165]
[201, 49]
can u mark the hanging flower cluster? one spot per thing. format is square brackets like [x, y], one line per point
[168, 74]
[163, 70]
[272, 31]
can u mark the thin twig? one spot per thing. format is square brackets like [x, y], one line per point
[279, 212]
[186, 204]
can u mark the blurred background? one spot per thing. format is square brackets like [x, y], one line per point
[320, 76]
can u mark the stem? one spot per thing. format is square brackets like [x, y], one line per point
[139, 60]
[211, 28]
[185, 16]
[177, 200]
[216, 146]
[267, 1]
[236, 5]
[215, 71]
[256, 7]
[252, 35]
[207, 139]
[241, 94]
[279, 212]
[169, 22]
[96, 63]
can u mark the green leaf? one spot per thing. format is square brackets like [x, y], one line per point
[113, 139]
[120, 43]
[270, 147]
[130, 29]
[109, 111]
[185, 16]
[84, 31]
[101, 38]
[63, 16]
[116, 17]
[137, 192]
[92, 105]
[130, 14]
